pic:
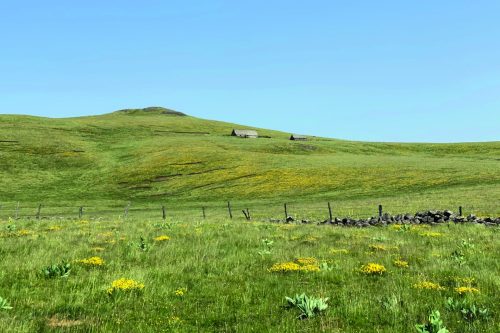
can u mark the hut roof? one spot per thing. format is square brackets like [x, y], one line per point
[298, 137]
[245, 133]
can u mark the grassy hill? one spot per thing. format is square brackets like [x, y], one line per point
[155, 155]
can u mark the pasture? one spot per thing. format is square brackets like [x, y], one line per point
[222, 275]
[100, 257]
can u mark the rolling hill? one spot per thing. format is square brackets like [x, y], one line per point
[155, 155]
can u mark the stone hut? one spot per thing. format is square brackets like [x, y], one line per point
[295, 137]
[245, 133]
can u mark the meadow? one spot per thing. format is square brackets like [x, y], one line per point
[121, 267]
[152, 157]
[222, 275]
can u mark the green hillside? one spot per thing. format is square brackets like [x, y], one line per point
[157, 155]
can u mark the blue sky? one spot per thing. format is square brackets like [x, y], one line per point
[425, 71]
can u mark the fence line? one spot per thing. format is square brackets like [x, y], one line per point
[311, 211]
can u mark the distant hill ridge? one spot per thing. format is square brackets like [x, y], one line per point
[153, 110]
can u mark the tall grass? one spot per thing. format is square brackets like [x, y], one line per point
[222, 267]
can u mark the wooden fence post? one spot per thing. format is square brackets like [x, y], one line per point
[80, 212]
[286, 213]
[229, 209]
[247, 214]
[39, 211]
[125, 213]
[164, 212]
[330, 212]
[460, 211]
[204, 215]
[379, 210]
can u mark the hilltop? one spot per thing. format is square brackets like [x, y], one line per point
[155, 155]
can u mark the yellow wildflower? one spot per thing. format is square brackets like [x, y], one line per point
[428, 285]
[161, 238]
[373, 269]
[54, 228]
[180, 292]
[465, 290]
[310, 268]
[307, 261]
[124, 284]
[92, 261]
[285, 267]
[300, 265]
[401, 263]
[24, 232]
[378, 247]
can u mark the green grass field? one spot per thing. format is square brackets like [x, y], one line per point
[214, 276]
[151, 158]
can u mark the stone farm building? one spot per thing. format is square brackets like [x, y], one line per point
[245, 133]
[296, 137]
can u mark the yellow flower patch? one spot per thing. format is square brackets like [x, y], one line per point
[428, 286]
[161, 238]
[307, 261]
[24, 232]
[124, 285]
[180, 292]
[373, 269]
[92, 261]
[305, 265]
[378, 247]
[401, 263]
[466, 290]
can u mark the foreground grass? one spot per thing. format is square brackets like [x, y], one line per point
[214, 276]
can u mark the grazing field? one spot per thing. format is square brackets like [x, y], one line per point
[221, 275]
[121, 267]
[153, 157]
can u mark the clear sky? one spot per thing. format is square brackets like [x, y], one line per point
[365, 70]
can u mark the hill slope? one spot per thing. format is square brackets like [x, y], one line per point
[156, 154]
